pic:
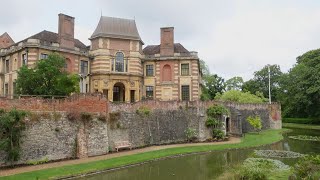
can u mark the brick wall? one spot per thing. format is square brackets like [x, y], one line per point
[80, 103]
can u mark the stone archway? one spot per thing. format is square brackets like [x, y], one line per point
[119, 92]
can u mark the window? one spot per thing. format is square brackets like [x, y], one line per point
[24, 59]
[184, 69]
[44, 56]
[119, 62]
[149, 92]
[7, 66]
[185, 94]
[149, 70]
[6, 89]
[84, 67]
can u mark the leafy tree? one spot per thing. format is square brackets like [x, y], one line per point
[48, 77]
[213, 84]
[241, 97]
[11, 126]
[260, 82]
[300, 87]
[234, 83]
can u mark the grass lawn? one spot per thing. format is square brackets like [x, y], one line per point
[301, 126]
[250, 140]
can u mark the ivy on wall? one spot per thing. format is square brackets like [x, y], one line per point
[11, 126]
[214, 112]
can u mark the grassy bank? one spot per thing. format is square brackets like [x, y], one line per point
[250, 140]
[301, 126]
[301, 120]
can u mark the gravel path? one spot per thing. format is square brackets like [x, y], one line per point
[19, 170]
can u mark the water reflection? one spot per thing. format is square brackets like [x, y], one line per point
[206, 166]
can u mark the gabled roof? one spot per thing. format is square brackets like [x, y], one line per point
[5, 40]
[155, 49]
[47, 37]
[116, 28]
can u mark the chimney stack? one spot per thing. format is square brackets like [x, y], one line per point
[66, 31]
[167, 41]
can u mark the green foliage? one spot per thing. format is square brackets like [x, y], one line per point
[48, 77]
[191, 134]
[218, 133]
[300, 87]
[212, 122]
[42, 161]
[217, 110]
[255, 122]
[308, 168]
[260, 82]
[259, 168]
[234, 83]
[213, 84]
[240, 97]
[143, 110]
[11, 126]
[301, 120]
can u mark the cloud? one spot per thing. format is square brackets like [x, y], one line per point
[235, 37]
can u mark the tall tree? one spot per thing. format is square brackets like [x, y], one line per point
[300, 87]
[234, 83]
[48, 77]
[260, 82]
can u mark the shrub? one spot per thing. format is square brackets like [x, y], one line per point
[218, 134]
[143, 110]
[11, 126]
[308, 168]
[216, 110]
[191, 134]
[240, 97]
[212, 122]
[255, 122]
[42, 161]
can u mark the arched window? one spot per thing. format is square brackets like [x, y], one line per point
[166, 73]
[119, 62]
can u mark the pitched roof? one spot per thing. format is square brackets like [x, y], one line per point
[116, 28]
[155, 49]
[47, 37]
[5, 40]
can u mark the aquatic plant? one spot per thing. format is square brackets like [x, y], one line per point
[305, 138]
[277, 154]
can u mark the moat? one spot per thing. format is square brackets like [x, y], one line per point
[208, 165]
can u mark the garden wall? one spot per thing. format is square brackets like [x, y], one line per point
[53, 136]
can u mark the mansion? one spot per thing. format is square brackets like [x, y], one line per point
[115, 64]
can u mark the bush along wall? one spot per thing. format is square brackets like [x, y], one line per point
[214, 122]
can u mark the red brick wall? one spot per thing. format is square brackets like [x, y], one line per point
[82, 103]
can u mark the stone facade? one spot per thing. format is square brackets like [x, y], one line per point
[116, 64]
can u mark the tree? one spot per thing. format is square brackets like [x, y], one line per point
[300, 87]
[241, 97]
[48, 77]
[234, 83]
[213, 84]
[260, 82]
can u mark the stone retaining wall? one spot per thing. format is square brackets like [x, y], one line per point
[61, 138]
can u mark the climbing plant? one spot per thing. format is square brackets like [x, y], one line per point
[213, 113]
[11, 126]
[255, 122]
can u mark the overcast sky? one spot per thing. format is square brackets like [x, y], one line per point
[234, 37]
